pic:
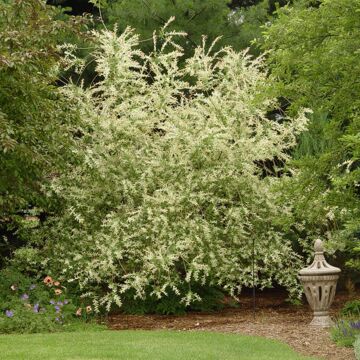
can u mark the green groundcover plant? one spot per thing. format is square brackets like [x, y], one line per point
[351, 308]
[171, 190]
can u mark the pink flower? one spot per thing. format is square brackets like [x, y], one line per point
[58, 291]
[48, 280]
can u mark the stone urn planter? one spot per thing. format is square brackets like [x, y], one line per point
[319, 281]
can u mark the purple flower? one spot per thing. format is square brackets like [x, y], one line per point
[355, 325]
[52, 302]
[60, 303]
[36, 308]
[57, 319]
[9, 313]
[66, 302]
[57, 308]
[24, 296]
[32, 287]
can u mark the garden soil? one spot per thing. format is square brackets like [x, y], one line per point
[274, 318]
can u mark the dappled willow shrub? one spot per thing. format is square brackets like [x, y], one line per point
[169, 193]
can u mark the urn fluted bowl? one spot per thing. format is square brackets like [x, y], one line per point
[319, 281]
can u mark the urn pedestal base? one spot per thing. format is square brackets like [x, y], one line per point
[322, 320]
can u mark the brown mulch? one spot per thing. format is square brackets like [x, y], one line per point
[275, 319]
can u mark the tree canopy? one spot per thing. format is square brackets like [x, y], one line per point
[35, 122]
[313, 56]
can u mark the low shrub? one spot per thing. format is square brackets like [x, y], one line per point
[29, 306]
[351, 308]
[21, 319]
[345, 332]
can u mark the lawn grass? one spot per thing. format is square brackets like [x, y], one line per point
[143, 345]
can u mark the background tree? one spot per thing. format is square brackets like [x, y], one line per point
[239, 22]
[196, 18]
[35, 121]
[211, 18]
[314, 55]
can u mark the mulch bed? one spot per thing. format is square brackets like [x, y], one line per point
[275, 319]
